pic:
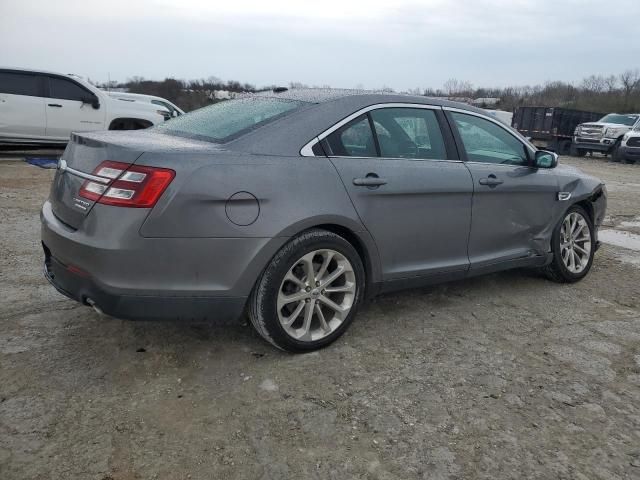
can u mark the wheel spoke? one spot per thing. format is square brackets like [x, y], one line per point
[580, 249]
[294, 315]
[577, 262]
[333, 276]
[346, 288]
[576, 223]
[586, 238]
[307, 262]
[578, 230]
[325, 264]
[566, 229]
[294, 297]
[306, 325]
[292, 278]
[323, 321]
[572, 260]
[331, 304]
[571, 224]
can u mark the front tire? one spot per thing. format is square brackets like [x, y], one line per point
[573, 247]
[309, 293]
[577, 152]
[615, 152]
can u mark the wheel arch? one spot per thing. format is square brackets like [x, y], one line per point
[361, 247]
[139, 122]
[587, 205]
[354, 232]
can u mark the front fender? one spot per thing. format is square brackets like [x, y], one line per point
[584, 189]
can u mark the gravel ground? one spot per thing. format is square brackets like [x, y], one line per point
[504, 376]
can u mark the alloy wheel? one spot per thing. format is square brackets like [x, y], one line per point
[575, 242]
[316, 295]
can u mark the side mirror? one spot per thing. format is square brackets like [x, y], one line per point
[544, 159]
[92, 100]
[174, 113]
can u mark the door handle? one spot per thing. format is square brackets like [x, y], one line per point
[491, 181]
[371, 180]
[57, 105]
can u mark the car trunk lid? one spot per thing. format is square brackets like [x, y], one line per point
[86, 151]
[78, 164]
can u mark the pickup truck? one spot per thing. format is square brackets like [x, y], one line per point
[629, 150]
[605, 135]
[38, 107]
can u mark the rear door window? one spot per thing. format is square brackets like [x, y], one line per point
[409, 133]
[67, 90]
[14, 83]
[355, 139]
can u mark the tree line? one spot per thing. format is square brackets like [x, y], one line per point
[598, 93]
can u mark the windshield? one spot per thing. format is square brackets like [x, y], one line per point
[628, 120]
[229, 118]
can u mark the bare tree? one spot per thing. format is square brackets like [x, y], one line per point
[630, 81]
[456, 88]
[594, 83]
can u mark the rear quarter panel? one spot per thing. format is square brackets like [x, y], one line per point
[293, 194]
[291, 191]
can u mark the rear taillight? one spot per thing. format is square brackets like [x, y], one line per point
[130, 186]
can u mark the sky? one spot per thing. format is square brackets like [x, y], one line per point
[401, 44]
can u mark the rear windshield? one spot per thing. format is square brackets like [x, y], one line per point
[621, 119]
[228, 119]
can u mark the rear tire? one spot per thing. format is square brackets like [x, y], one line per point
[298, 313]
[573, 247]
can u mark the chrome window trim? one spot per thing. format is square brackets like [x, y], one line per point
[400, 158]
[507, 165]
[307, 149]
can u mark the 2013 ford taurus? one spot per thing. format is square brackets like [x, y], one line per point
[296, 205]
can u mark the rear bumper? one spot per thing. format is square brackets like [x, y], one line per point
[87, 291]
[108, 263]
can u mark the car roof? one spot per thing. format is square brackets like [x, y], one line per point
[368, 97]
[45, 72]
[323, 108]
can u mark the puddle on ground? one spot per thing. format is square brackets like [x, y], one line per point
[635, 223]
[630, 242]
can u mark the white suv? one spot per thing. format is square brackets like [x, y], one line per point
[45, 107]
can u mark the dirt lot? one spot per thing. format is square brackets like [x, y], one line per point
[505, 376]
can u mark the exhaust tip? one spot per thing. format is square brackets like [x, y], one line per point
[93, 305]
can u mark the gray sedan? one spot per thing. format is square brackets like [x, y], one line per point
[295, 206]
